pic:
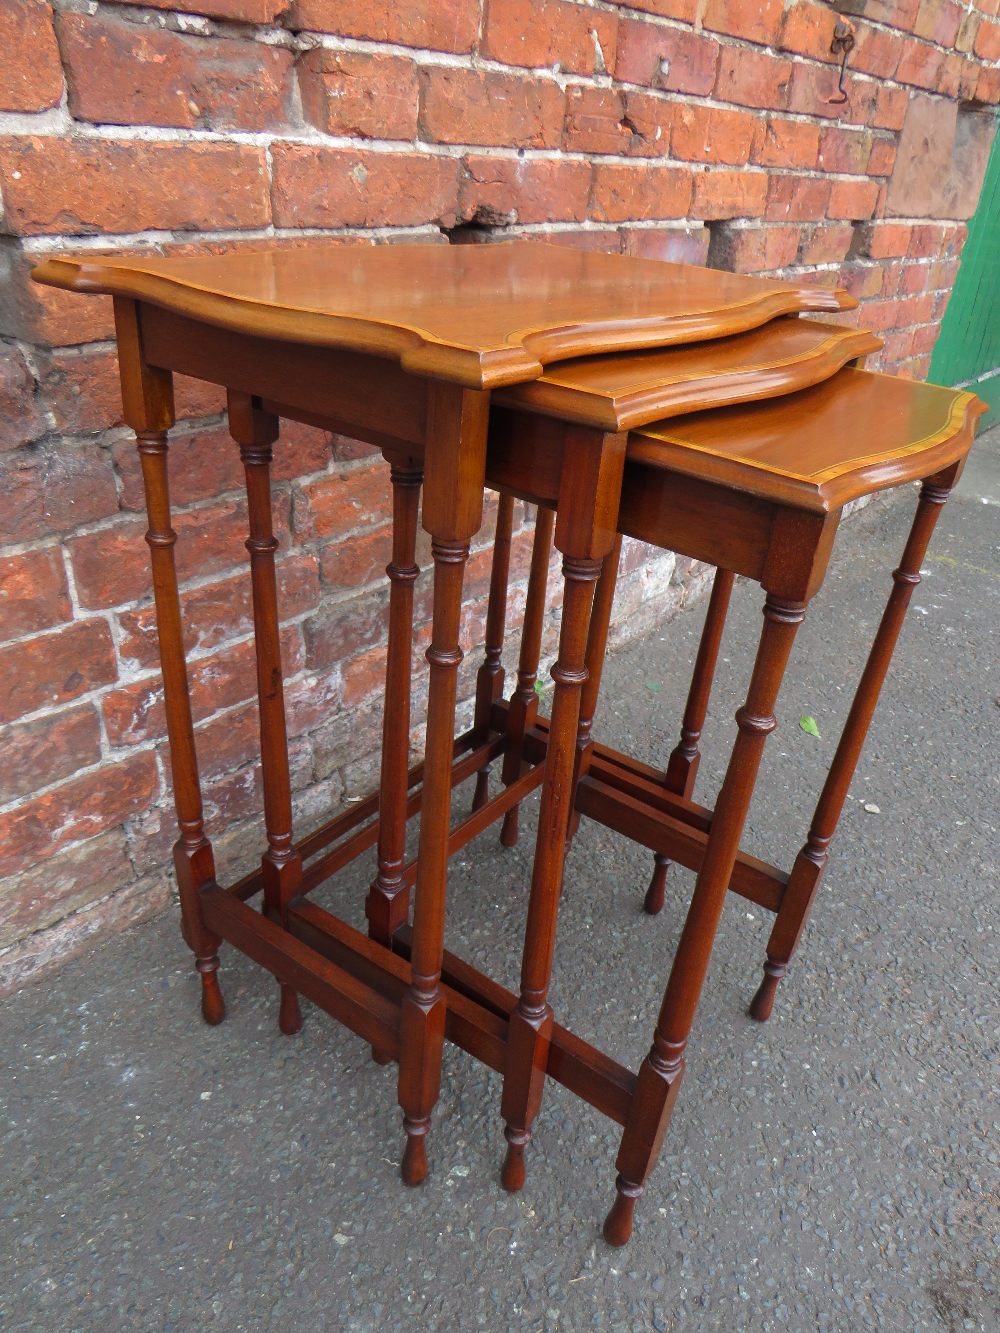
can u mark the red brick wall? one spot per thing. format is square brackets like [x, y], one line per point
[675, 129]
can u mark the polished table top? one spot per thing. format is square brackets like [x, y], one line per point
[477, 315]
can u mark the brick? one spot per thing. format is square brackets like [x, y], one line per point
[33, 593]
[685, 11]
[45, 893]
[503, 190]
[675, 245]
[853, 199]
[882, 159]
[38, 753]
[666, 58]
[967, 30]
[214, 613]
[826, 244]
[21, 419]
[939, 21]
[623, 193]
[941, 160]
[484, 107]
[796, 198]
[988, 87]
[241, 11]
[84, 391]
[55, 669]
[864, 280]
[134, 714]
[49, 489]
[987, 43]
[83, 186]
[890, 108]
[342, 187]
[340, 503]
[807, 30]
[111, 567]
[887, 240]
[913, 279]
[595, 121]
[350, 92]
[811, 89]
[30, 73]
[346, 628]
[925, 242]
[445, 25]
[83, 808]
[925, 338]
[752, 79]
[900, 14]
[46, 315]
[649, 119]
[920, 65]
[844, 150]
[729, 194]
[711, 134]
[120, 73]
[958, 79]
[606, 240]
[754, 249]
[751, 20]
[358, 562]
[876, 52]
[786, 143]
[535, 33]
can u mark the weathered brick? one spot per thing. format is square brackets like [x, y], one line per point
[753, 79]
[341, 187]
[46, 315]
[30, 73]
[121, 73]
[853, 199]
[913, 279]
[372, 96]
[844, 150]
[84, 391]
[941, 160]
[959, 77]
[79, 809]
[675, 245]
[33, 593]
[445, 25]
[882, 158]
[213, 613]
[21, 418]
[595, 121]
[826, 244]
[667, 58]
[342, 502]
[47, 750]
[355, 563]
[786, 143]
[876, 52]
[526, 190]
[624, 193]
[890, 108]
[536, 33]
[729, 194]
[650, 120]
[925, 338]
[987, 43]
[793, 198]
[55, 668]
[864, 280]
[939, 21]
[988, 87]
[920, 65]
[711, 134]
[63, 884]
[754, 249]
[750, 20]
[241, 11]
[111, 567]
[900, 14]
[485, 107]
[807, 30]
[88, 186]
[886, 240]
[810, 92]
[45, 490]
[346, 628]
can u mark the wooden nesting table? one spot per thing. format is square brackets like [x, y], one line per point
[402, 346]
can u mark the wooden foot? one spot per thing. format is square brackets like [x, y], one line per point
[618, 1223]
[213, 1006]
[763, 1002]
[380, 1057]
[510, 828]
[413, 1167]
[657, 891]
[512, 1175]
[289, 1013]
[482, 792]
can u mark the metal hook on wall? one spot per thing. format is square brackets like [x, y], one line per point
[843, 45]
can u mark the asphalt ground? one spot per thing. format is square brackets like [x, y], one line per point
[837, 1168]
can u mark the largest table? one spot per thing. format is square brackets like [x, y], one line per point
[399, 346]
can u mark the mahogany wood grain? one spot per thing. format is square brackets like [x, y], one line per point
[478, 315]
[490, 678]
[148, 400]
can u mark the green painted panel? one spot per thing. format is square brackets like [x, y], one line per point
[969, 345]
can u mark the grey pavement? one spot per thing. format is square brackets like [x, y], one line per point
[837, 1168]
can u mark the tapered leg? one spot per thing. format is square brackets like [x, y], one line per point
[807, 873]
[489, 681]
[524, 702]
[148, 399]
[387, 906]
[682, 765]
[597, 647]
[661, 1072]
[531, 1021]
[453, 508]
[281, 865]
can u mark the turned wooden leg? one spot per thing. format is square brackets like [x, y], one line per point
[662, 1070]
[453, 507]
[490, 678]
[810, 864]
[597, 647]
[524, 702]
[148, 398]
[281, 865]
[682, 766]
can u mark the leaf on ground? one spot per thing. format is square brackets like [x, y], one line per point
[654, 686]
[539, 688]
[808, 725]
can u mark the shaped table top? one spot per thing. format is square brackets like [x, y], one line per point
[855, 433]
[477, 315]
